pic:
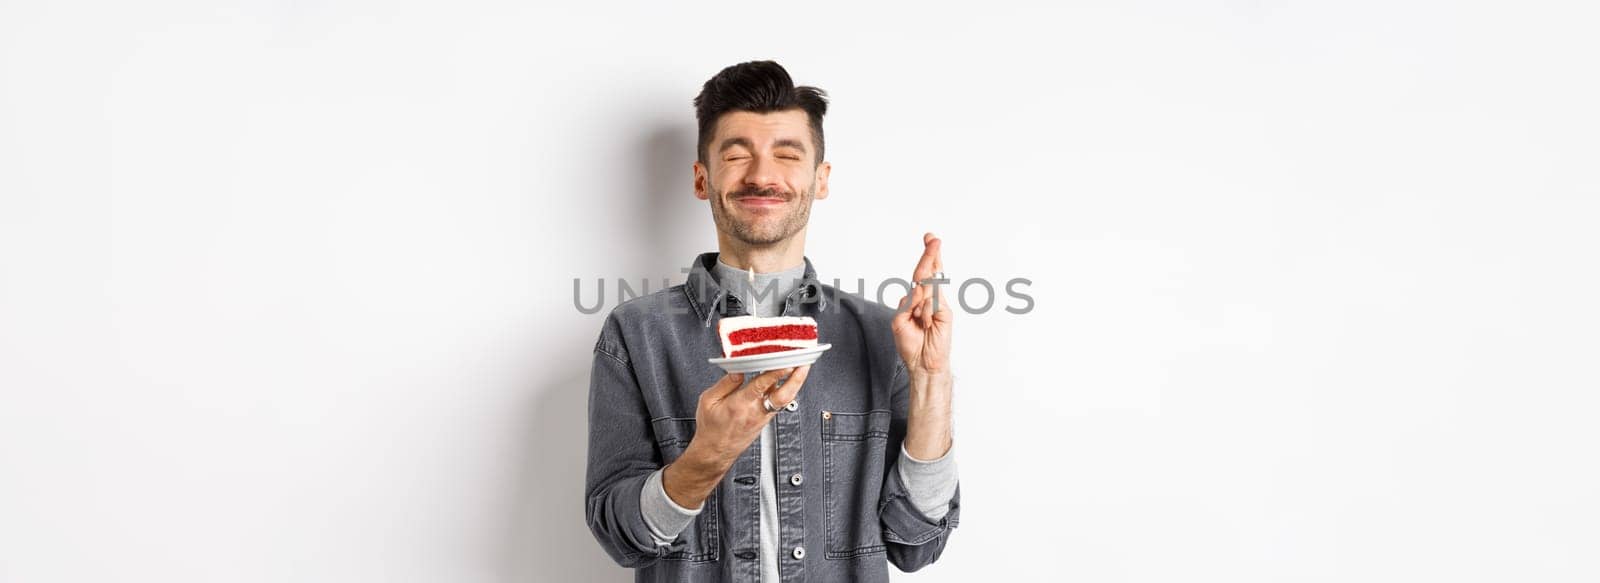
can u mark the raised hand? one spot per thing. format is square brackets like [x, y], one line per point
[922, 332]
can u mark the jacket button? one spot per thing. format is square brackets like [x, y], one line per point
[796, 479]
[746, 555]
[746, 480]
[793, 405]
[799, 552]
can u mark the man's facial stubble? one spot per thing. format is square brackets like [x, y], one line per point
[761, 231]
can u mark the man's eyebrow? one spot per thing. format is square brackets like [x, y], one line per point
[731, 142]
[790, 143]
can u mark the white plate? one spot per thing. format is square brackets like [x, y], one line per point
[770, 360]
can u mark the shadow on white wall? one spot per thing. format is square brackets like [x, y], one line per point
[549, 540]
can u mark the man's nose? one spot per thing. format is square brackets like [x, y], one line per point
[762, 173]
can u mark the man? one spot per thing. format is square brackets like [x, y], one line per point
[825, 472]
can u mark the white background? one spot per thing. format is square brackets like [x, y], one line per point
[286, 287]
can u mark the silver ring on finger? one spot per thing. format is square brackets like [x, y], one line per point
[767, 403]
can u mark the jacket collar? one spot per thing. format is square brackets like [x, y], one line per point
[710, 298]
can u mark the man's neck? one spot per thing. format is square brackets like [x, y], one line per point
[780, 256]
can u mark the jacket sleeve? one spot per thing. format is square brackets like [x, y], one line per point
[914, 541]
[621, 456]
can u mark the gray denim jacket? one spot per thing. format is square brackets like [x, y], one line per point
[843, 510]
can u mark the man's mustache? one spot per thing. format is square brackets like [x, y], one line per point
[761, 193]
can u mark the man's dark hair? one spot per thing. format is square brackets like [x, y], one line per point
[757, 87]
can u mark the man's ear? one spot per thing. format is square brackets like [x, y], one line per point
[822, 180]
[701, 175]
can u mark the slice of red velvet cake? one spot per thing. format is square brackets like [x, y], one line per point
[747, 335]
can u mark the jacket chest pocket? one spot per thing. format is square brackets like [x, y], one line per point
[853, 450]
[699, 542]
